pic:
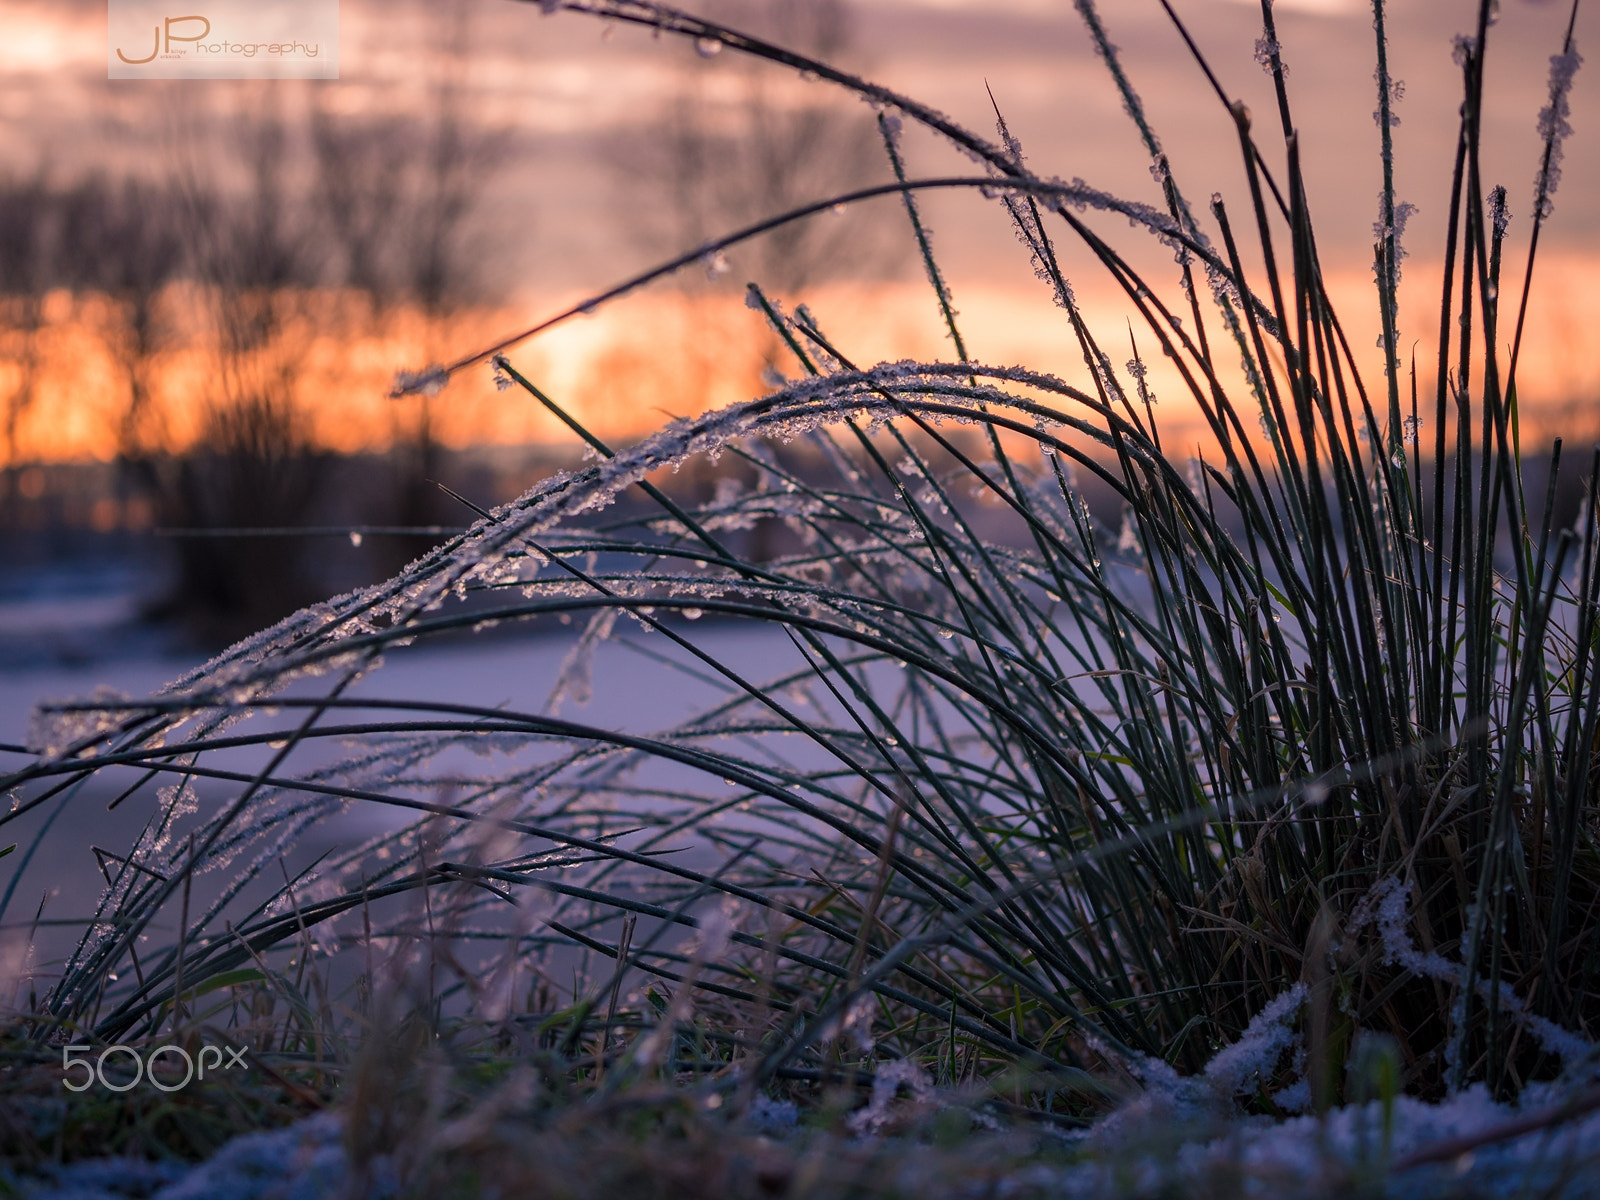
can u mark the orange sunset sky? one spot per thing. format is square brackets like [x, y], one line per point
[561, 217]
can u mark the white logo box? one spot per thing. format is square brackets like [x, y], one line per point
[222, 39]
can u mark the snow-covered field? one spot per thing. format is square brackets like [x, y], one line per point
[1179, 1137]
[55, 859]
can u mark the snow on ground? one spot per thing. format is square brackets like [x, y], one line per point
[1304, 1157]
[1168, 1138]
[55, 863]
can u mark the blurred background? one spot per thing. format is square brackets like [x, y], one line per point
[207, 287]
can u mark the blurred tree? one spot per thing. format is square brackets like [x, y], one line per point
[254, 462]
[398, 196]
[740, 141]
[281, 214]
[122, 244]
[26, 235]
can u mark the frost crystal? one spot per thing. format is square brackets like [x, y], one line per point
[429, 381]
[53, 733]
[576, 680]
[1554, 128]
[887, 1081]
[1255, 1055]
[716, 929]
[1395, 90]
[1138, 370]
[715, 263]
[1128, 539]
[1499, 214]
[1386, 906]
[1268, 49]
[1390, 230]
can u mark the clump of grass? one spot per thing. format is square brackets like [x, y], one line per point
[1302, 754]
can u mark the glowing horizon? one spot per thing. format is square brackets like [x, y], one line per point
[629, 368]
[557, 219]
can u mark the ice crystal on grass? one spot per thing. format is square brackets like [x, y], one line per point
[887, 1081]
[1499, 213]
[1387, 908]
[716, 264]
[1128, 539]
[1268, 49]
[429, 381]
[1249, 1063]
[1241, 1068]
[55, 729]
[1554, 128]
[576, 679]
[1395, 92]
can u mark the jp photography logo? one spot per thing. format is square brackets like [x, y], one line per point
[166, 1068]
[222, 39]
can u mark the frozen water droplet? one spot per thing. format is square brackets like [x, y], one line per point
[716, 264]
[355, 537]
[427, 382]
[809, 76]
[707, 47]
[947, 634]
[692, 614]
[837, 210]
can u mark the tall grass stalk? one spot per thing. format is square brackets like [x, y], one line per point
[1310, 742]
